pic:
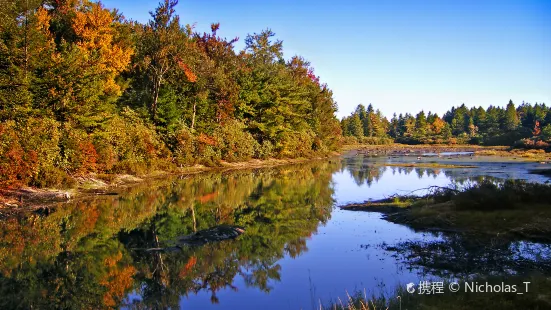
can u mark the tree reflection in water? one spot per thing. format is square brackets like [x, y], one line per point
[89, 253]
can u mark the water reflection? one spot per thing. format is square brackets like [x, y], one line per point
[297, 248]
[462, 256]
[87, 253]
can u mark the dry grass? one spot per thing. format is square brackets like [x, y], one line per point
[529, 155]
[537, 297]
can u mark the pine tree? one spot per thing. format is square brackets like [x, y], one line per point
[355, 127]
[420, 124]
[511, 120]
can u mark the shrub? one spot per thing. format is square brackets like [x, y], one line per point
[376, 140]
[52, 177]
[296, 144]
[490, 196]
[531, 144]
[207, 151]
[79, 154]
[184, 147]
[27, 148]
[264, 150]
[350, 140]
[234, 142]
[130, 145]
[17, 165]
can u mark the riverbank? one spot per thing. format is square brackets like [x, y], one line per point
[513, 209]
[423, 150]
[397, 149]
[29, 198]
[495, 232]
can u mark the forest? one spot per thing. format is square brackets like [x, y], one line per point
[526, 126]
[85, 90]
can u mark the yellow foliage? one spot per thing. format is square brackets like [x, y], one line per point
[43, 20]
[437, 125]
[95, 28]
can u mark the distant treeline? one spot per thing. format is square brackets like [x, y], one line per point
[527, 126]
[82, 89]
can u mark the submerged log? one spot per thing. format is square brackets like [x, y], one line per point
[202, 237]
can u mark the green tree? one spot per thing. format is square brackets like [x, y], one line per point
[420, 124]
[355, 127]
[511, 120]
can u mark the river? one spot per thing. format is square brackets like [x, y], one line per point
[298, 249]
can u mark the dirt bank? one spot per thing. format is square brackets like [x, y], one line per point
[29, 198]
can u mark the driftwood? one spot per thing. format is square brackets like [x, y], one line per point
[202, 237]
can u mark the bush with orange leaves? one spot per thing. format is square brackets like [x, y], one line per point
[28, 148]
[79, 154]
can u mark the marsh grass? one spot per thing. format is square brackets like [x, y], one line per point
[513, 208]
[537, 297]
[529, 155]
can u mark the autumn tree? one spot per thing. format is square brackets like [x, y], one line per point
[160, 50]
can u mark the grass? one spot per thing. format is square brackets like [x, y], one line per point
[396, 147]
[497, 151]
[538, 296]
[529, 155]
[516, 209]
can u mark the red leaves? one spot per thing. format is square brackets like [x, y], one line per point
[89, 156]
[313, 77]
[205, 139]
[189, 265]
[537, 129]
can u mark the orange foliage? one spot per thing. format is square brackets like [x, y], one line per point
[43, 20]
[205, 139]
[537, 129]
[187, 71]
[437, 125]
[208, 197]
[90, 156]
[118, 280]
[17, 165]
[190, 264]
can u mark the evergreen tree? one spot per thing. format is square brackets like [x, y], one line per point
[421, 124]
[511, 120]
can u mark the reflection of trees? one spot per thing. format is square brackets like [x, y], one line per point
[366, 170]
[362, 171]
[279, 210]
[462, 255]
[84, 253]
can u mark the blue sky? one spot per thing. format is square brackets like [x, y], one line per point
[401, 56]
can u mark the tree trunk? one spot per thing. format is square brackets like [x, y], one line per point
[194, 220]
[156, 89]
[193, 115]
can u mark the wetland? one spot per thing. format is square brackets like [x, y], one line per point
[290, 244]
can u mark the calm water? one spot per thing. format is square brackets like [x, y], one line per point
[298, 248]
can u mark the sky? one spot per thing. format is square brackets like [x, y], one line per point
[401, 56]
